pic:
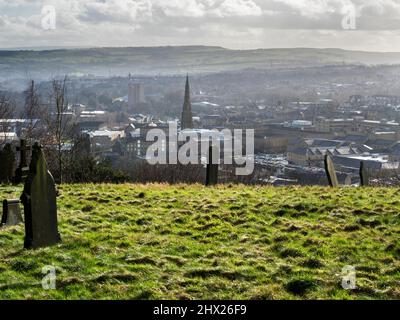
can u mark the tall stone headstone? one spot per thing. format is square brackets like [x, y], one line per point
[40, 204]
[364, 177]
[7, 160]
[212, 166]
[11, 213]
[330, 172]
[23, 170]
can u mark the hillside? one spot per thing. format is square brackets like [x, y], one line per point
[173, 60]
[231, 242]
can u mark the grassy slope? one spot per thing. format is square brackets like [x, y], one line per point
[178, 242]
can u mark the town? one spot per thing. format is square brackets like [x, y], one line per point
[290, 140]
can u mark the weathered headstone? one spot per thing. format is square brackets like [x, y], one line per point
[364, 178]
[40, 204]
[212, 166]
[11, 213]
[7, 160]
[330, 172]
[23, 170]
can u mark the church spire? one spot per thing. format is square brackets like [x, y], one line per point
[187, 117]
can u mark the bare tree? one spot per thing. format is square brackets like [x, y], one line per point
[32, 112]
[6, 112]
[58, 122]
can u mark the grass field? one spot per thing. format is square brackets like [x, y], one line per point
[228, 242]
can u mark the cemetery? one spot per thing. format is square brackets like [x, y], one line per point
[212, 241]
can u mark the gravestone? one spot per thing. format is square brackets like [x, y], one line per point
[330, 172]
[11, 213]
[212, 166]
[23, 170]
[40, 204]
[7, 160]
[364, 178]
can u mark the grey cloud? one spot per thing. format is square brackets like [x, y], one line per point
[270, 14]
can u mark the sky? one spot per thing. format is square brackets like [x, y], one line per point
[368, 25]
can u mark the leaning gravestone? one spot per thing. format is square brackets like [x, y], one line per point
[40, 204]
[7, 159]
[11, 213]
[364, 178]
[212, 166]
[330, 172]
[23, 170]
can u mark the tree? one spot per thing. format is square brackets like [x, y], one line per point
[6, 112]
[59, 122]
[32, 112]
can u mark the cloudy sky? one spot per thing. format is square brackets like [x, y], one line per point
[239, 24]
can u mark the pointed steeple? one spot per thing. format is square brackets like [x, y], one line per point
[187, 93]
[187, 117]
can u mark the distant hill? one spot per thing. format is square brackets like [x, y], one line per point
[173, 60]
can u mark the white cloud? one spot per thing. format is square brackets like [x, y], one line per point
[229, 8]
[180, 8]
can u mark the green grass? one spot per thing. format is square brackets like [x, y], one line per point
[229, 242]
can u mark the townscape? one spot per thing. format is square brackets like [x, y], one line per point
[292, 135]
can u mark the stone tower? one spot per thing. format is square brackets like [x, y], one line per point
[187, 118]
[135, 93]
